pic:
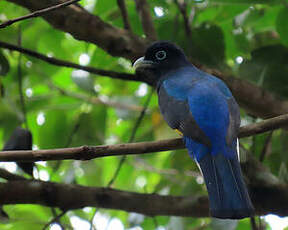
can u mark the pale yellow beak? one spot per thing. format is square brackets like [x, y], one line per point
[141, 63]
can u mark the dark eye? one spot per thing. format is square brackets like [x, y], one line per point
[160, 55]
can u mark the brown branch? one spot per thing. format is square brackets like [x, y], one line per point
[59, 62]
[255, 100]
[87, 152]
[10, 176]
[63, 196]
[117, 42]
[182, 6]
[37, 13]
[143, 9]
[266, 147]
[85, 26]
[122, 7]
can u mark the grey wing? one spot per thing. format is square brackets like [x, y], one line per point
[234, 121]
[178, 116]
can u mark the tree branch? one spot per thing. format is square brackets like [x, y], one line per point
[122, 7]
[63, 196]
[254, 99]
[37, 13]
[59, 62]
[10, 176]
[182, 6]
[90, 28]
[143, 9]
[87, 152]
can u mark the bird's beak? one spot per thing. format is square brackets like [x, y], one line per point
[142, 63]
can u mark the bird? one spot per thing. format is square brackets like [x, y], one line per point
[21, 139]
[202, 108]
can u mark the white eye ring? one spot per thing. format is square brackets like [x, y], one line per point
[160, 55]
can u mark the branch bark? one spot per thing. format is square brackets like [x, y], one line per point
[143, 9]
[182, 6]
[87, 27]
[59, 62]
[122, 7]
[63, 196]
[37, 13]
[91, 152]
[253, 99]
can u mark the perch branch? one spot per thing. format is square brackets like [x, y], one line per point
[87, 152]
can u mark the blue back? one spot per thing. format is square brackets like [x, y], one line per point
[207, 98]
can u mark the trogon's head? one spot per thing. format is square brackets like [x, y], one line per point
[160, 58]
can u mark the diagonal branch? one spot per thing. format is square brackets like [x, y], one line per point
[143, 9]
[37, 13]
[182, 6]
[123, 10]
[91, 152]
[97, 100]
[117, 42]
[85, 26]
[59, 62]
[253, 99]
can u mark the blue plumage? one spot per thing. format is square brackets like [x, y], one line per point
[203, 109]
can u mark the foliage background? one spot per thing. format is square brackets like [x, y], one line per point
[246, 38]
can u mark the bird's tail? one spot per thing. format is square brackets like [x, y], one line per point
[227, 191]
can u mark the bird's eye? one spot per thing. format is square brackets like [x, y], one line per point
[160, 55]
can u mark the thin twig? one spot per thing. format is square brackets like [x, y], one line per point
[135, 128]
[87, 153]
[266, 146]
[92, 219]
[131, 139]
[55, 219]
[253, 223]
[10, 176]
[122, 7]
[59, 62]
[20, 80]
[37, 13]
[143, 9]
[97, 100]
[183, 10]
[68, 143]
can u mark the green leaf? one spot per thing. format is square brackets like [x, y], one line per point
[207, 45]
[270, 66]
[282, 25]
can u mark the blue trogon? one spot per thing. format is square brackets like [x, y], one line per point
[202, 108]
